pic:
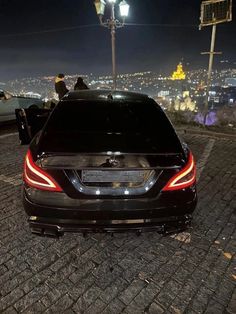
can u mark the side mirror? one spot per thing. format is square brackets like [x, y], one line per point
[2, 95]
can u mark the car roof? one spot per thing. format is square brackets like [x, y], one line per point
[104, 95]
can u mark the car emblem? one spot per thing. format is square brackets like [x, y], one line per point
[113, 162]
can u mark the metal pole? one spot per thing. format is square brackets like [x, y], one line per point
[211, 57]
[113, 44]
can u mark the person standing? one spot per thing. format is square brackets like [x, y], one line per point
[60, 86]
[80, 85]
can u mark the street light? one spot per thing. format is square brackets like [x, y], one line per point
[112, 24]
[124, 9]
[100, 7]
[213, 12]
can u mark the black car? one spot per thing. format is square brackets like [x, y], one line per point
[108, 161]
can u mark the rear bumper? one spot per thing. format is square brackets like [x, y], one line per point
[105, 215]
[47, 226]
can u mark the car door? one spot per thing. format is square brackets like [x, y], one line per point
[8, 104]
[29, 122]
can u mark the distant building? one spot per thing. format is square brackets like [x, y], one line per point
[179, 73]
[230, 81]
[163, 93]
[31, 95]
[220, 96]
[186, 93]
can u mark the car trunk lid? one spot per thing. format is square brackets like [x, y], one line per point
[113, 175]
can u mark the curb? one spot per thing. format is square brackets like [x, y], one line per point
[206, 133]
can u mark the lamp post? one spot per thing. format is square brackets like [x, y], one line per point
[112, 24]
[213, 12]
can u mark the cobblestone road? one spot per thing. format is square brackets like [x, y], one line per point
[191, 272]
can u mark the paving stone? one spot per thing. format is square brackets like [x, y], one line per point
[116, 306]
[10, 310]
[114, 289]
[79, 289]
[61, 305]
[82, 272]
[10, 299]
[146, 295]
[32, 297]
[37, 307]
[97, 307]
[232, 304]
[178, 306]
[224, 292]
[155, 308]
[130, 293]
[50, 297]
[214, 307]
[87, 299]
[200, 301]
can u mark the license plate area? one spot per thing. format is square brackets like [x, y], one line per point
[111, 176]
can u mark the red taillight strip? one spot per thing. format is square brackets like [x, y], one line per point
[49, 185]
[173, 184]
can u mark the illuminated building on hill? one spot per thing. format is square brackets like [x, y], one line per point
[179, 73]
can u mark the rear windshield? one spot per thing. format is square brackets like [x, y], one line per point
[143, 119]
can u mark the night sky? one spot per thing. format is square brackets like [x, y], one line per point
[87, 50]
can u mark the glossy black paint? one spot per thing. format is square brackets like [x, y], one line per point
[66, 154]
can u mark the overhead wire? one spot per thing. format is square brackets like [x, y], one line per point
[52, 30]
[161, 25]
[62, 29]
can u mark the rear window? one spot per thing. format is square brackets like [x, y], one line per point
[104, 116]
[145, 120]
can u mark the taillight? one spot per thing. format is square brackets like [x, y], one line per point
[35, 177]
[183, 179]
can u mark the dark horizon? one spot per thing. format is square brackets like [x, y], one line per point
[87, 50]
